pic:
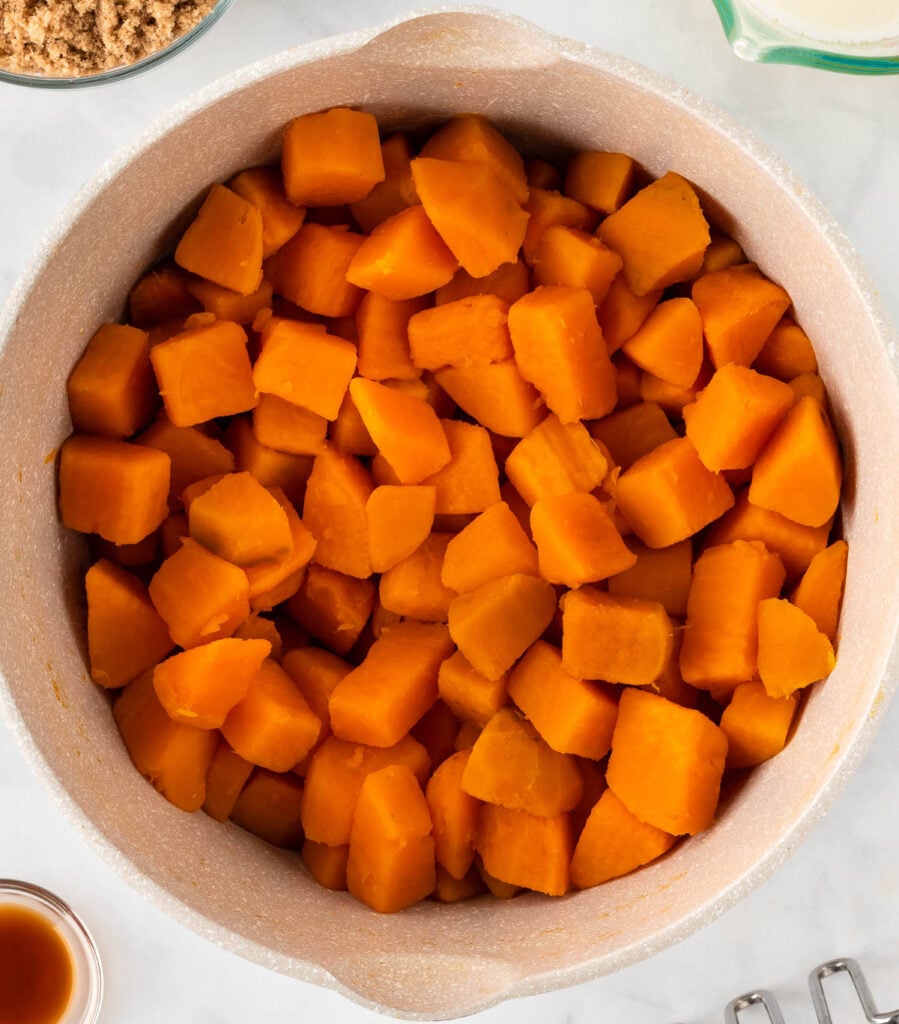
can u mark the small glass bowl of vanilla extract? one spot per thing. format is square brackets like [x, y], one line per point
[50, 969]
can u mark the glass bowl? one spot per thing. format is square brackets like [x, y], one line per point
[87, 974]
[177, 45]
[813, 34]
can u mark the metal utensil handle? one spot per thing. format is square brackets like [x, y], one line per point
[761, 997]
[850, 967]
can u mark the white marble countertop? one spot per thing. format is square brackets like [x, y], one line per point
[838, 893]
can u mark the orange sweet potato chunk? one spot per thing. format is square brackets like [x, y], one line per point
[559, 348]
[413, 588]
[669, 342]
[405, 429]
[394, 192]
[193, 453]
[204, 372]
[269, 807]
[600, 180]
[304, 364]
[454, 814]
[477, 215]
[526, 850]
[492, 545]
[174, 757]
[331, 157]
[660, 233]
[471, 696]
[469, 482]
[239, 520]
[496, 623]
[337, 492]
[615, 638]
[161, 297]
[224, 242]
[575, 259]
[739, 307]
[399, 520]
[311, 270]
[391, 861]
[787, 352]
[496, 395]
[200, 596]
[281, 219]
[227, 776]
[668, 495]
[112, 390]
[734, 415]
[793, 652]
[756, 724]
[267, 579]
[666, 763]
[383, 328]
[820, 591]
[577, 540]
[334, 779]
[511, 765]
[658, 574]
[572, 715]
[403, 258]
[614, 842]
[125, 634]
[332, 606]
[472, 330]
[288, 427]
[799, 472]
[509, 281]
[200, 686]
[380, 700]
[116, 489]
[273, 725]
[327, 864]
[720, 644]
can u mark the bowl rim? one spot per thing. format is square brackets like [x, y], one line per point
[561, 49]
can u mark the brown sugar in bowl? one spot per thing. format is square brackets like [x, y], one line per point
[550, 96]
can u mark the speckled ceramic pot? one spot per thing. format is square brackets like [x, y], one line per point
[550, 94]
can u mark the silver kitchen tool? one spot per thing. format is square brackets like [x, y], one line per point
[768, 1001]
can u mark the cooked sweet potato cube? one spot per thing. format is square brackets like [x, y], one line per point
[281, 219]
[669, 342]
[224, 242]
[204, 372]
[391, 861]
[496, 395]
[739, 307]
[477, 215]
[799, 472]
[403, 258]
[618, 639]
[547, 208]
[787, 352]
[792, 651]
[555, 458]
[405, 429]
[470, 331]
[575, 259]
[174, 757]
[577, 540]
[332, 606]
[227, 776]
[734, 415]
[527, 850]
[614, 842]
[399, 520]
[720, 644]
[331, 157]
[112, 390]
[622, 311]
[194, 454]
[378, 702]
[469, 482]
[493, 545]
[288, 427]
[413, 589]
[273, 726]
[269, 807]
[239, 520]
[395, 192]
[471, 696]
[495, 624]
[201, 597]
[509, 281]
[454, 814]
[125, 634]
[334, 778]
[820, 591]
[200, 686]
[756, 724]
[559, 348]
[511, 765]
[327, 864]
[659, 574]
[334, 512]
[116, 489]
[668, 495]
[572, 715]
[383, 328]
[666, 763]
[600, 180]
